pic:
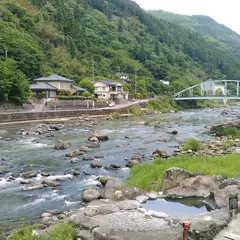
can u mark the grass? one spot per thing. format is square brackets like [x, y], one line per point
[149, 176]
[231, 131]
[191, 144]
[61, 231]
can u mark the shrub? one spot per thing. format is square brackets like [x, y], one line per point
[136, 111]
[86, 94]
[231, 131]
[116, 115]
[191, 144]
[227, 144]
[65, 93]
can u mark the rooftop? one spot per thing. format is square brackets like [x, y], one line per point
[110, 84]
[78, 88]
[54, 77]
[42, 86]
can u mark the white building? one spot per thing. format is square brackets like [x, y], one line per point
[165, 82]
[112, 91]
[211, 88]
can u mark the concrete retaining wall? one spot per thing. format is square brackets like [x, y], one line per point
[26, 116]
[68, 104]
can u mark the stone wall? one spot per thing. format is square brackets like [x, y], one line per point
[27, 116]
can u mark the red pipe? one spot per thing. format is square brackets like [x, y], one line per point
[186, 228]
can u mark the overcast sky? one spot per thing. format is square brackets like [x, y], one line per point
[226, 12]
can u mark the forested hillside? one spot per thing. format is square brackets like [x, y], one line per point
[204, 25]
[74, 37]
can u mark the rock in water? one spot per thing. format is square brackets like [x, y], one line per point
[111, 186]
[62, 145]
[90, 194]
[132, 162]
[96, 164]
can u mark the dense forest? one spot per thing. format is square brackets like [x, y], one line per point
[86, 39]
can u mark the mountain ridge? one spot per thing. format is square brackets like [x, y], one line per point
[74, 37]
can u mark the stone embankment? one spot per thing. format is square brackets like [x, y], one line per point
[28, 116]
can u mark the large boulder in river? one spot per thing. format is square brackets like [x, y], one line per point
[110, 187]
[62, 145]
[199, 186]
[174, 176]
[101, 137]
[132, 162]
[90, 194]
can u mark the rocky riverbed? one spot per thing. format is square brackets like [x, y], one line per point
[49, 166]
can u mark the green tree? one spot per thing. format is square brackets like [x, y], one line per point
[219, 92]
[14, 86]
[87, 84]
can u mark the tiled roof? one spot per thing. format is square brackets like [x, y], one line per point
[110, 84]
[53, 77]
[42, 86]
[78, 88]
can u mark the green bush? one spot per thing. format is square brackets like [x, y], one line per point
[86, 94]
[136, 111]
[231, 131]
[116, 115]
[64, 93]
[163, 104]
[227, 144]
[191, 144]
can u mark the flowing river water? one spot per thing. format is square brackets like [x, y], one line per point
[37, 153]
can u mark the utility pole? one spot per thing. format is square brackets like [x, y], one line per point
[135, 84]
[93, 70]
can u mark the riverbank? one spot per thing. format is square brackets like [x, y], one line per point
[31, 149]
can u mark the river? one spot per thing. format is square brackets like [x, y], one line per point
[37, 153]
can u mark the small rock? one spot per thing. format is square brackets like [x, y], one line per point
[62, 145]
[142, 198]
[87, 158]
[90, 194]
[174, 132]
[152, 195]
[25, 181]
[46, 214]
[51, 184]
[96, 164]
[29, 174]
[35, 187]
[130, 163]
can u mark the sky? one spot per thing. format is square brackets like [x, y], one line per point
[226, 12]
